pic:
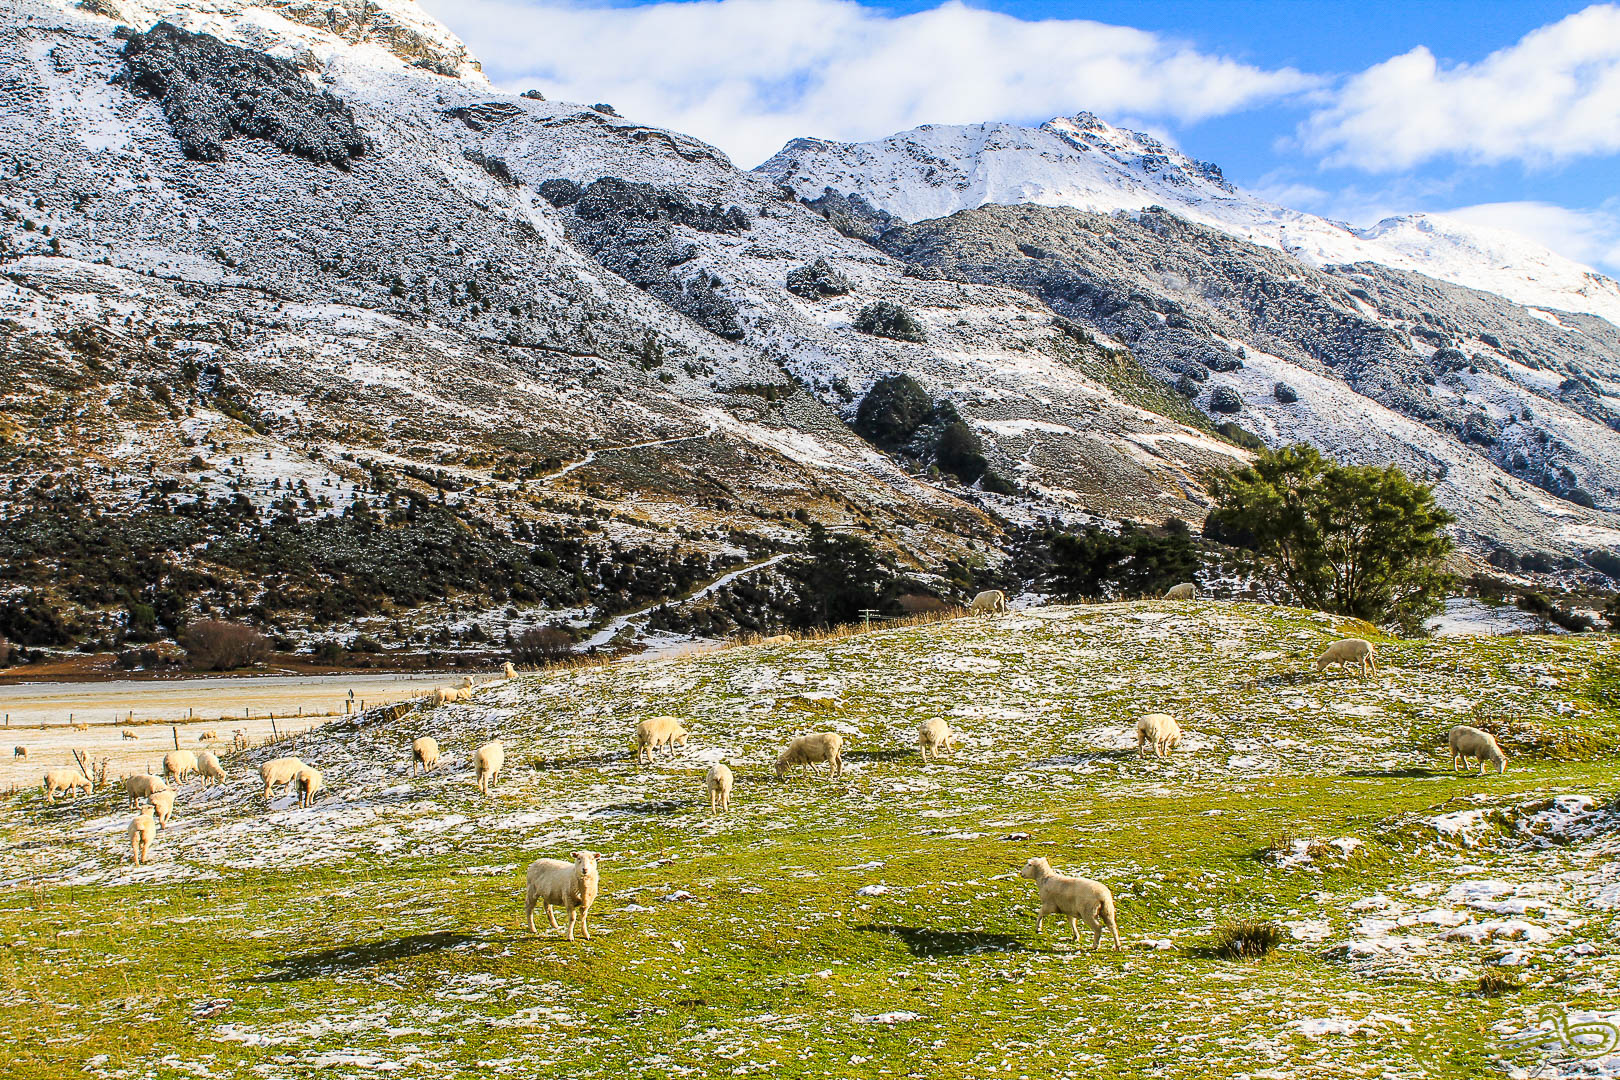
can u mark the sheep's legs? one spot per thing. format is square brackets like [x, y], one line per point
[573, 913]
[585, 922]
[1075, 927]
[551, 913]
[528, 909]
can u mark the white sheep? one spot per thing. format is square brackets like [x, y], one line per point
[488, 761]
[141, 786]
[466, 682]
[1160, 731]
[718, 781]
[141, 831]
[163, 803]
[208, 736]
[811, 750]
[424, 752]
[1185, 591]
[933, 736]
[279, 772]
[179, 764]
[777, 639]
[65, 780]
[989, 602]
[1470, 742]
[656, 731]
[1073, 896]
[508, 671]
[572, 886]
[1357, 651]
[308, 783]
[209, 768]
[125, 733]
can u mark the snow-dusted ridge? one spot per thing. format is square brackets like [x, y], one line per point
[1083, 162]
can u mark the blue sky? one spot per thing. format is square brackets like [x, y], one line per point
[1505, 113]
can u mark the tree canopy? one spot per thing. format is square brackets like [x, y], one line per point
[1357, 540]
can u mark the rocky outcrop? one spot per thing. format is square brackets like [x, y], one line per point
[212, 92]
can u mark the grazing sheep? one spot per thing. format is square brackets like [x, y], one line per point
[508, 671]
[424, 752]
[1073, 896]
[1357, 651]
[65, 780]
[573, 886]
[141, 786]
[209, 768]
[1470, 742]
[208, 736]
[308, 783]
[811, 750]
[81, 727]
[141, 831]
[128, 734]
[933, 736]
[488, 761]
[991, 601]
[1185, 591]
[1159, 730]
[656, 731]
[278, 772]
[718, 782]
[19, 752]
[777, 639]
[163, 803]
[179, 764]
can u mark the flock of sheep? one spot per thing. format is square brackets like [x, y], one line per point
[574, 885]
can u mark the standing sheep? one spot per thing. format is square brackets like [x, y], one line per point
[424, 752]
[508, 671]
[209, 768]
[811, 750]
[1072, 896]
[934, 735]
[1470, 742]
[989, 602]
[179, 764]
[163, 803]
[141, 831]
[125, 733]
[1185, 591]
[65, 780]
[656, 731]
[488, 761]
[573, 886]
[308, 783]
[19, 752]
[278, 772]
[141, 786]
[1160, 731]
[1357, 651]
[718, 782]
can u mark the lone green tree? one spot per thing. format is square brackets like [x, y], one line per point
[836, 577]
[1351, 539]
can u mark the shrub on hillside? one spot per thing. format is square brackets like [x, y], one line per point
[1132, 562]
[542, 645]
[1224, 399]
[216, 645]
[884, 319]
[892, 411]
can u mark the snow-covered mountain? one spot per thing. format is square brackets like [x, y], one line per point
[1086, 163]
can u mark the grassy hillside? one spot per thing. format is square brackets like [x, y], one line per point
[873, 926]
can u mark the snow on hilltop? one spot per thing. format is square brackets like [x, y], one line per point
[1083, 162]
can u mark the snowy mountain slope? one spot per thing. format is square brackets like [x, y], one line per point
[270, 332]
[1085, 163]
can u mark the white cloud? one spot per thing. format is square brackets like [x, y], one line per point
[748, 75]
[1587, 236]
[1551, 97]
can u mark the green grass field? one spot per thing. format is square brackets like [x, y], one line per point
[876, 925]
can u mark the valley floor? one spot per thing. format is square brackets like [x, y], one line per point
[875, 925]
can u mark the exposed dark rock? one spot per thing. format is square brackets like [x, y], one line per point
[816, 280]
[605, 109]
[853, 216]
[534, 95]
[495, 166]
[212, 92]
[485, 115]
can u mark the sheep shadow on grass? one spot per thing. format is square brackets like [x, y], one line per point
[314, 965]
[929, 944]
[878, 755]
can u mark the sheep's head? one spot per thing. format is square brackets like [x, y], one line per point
[1036, 869]
[679, 738]
[782, 766]
[585, 864]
